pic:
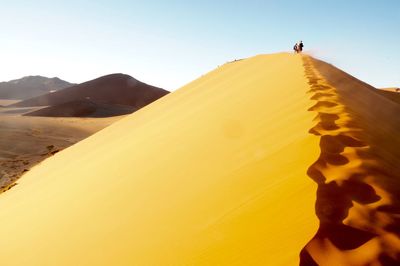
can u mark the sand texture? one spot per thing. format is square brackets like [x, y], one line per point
[272, 160]
[26, 141]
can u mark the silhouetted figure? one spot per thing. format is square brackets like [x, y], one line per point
[298, 47]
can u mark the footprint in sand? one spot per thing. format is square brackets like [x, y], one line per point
[322, 104]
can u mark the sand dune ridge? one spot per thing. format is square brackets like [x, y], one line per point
[351, 193]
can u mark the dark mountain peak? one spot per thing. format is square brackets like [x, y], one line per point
[34, 78]
[31, 86]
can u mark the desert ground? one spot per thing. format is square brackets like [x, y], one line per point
[26, 141]
[5, 102]
[275, 159]
[33, 129]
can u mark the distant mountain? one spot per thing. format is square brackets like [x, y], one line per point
[111, 95]
[31, 86]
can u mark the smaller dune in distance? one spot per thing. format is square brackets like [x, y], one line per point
[83, 108]
[29, 133]
[391, 93]
[111, 95]
[112, 89]
[393, 89]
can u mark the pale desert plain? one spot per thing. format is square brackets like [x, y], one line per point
[25, 141]
[276, 159]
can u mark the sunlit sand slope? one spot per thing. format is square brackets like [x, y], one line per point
[357, 172]
[214, 173]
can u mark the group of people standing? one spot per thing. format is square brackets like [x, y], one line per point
[298, 47]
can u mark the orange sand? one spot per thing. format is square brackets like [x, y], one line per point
[263, 161]
[391, 89]
[214, 173]
[357, 172]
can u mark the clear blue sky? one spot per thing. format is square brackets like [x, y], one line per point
[170, 43]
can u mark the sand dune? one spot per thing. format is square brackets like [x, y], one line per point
[390, 94]
[25, 142]
[357, 172]
[271, 160]
[83, 108]
[194, 178]
[391, 89]
[111, 89]
[5, 102]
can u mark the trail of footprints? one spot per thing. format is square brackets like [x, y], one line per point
[349, 200]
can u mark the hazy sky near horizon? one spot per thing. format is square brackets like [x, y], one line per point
[170, 43]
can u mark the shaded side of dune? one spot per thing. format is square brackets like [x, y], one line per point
[358, 185]
[392, 95]
[111, 89]
[83, 108]
[378, 116]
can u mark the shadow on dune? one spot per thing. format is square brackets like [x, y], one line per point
[16, 111]
[378, 118]
[319, 95]
[337, 189]
[118, 89]
[320, 104]
[83, 108]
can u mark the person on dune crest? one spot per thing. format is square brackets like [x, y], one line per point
[298, 47]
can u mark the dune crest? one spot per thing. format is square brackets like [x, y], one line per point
[358, 213]
[211, 174]
[272, 160]
[393, 95]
